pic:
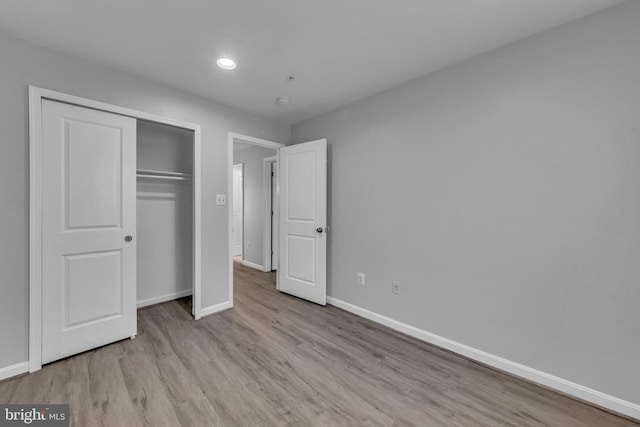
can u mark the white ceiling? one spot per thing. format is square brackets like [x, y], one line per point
[338, 50]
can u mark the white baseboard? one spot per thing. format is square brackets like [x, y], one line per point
[215, 308]
[581, 392]
[252, 265]
[14, 370]
[164, 298]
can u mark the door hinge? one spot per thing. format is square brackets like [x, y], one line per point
[271, 173]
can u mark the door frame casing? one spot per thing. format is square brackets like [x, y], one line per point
[36, 95]
[270, 205]
[231, 137]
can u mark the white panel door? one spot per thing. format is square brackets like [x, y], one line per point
[88, 226]
[238, 209]
[303, 221]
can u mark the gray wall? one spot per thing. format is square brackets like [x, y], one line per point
[164, 232]
[504, 194]
[254, 200]
[24, 64]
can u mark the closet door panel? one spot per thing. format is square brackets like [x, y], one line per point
[93, 175]
[93, 287]
[88, 229]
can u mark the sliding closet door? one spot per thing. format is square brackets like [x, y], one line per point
[88, 229]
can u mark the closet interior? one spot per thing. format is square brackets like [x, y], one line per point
[164, 213]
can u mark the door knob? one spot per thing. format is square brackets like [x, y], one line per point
[319, 229]
[128, 238]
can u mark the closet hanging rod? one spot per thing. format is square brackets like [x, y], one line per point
[174, 178]
[155, 173]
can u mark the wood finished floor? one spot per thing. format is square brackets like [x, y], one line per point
[276, 360]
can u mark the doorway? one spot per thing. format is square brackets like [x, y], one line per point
[250, 199]
[257, 241]
[301, 177]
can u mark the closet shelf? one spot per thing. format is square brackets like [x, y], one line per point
[154, 174]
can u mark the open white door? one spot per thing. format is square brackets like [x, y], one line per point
[303, 221]
[238, 209]
[88, 226]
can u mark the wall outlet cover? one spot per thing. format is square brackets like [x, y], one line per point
[221, 199]
[395, 288]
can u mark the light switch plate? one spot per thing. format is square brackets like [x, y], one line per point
[221, 199]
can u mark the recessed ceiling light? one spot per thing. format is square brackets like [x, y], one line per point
[282, 100]
[226, 63]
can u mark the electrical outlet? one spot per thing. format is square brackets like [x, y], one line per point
[361, 279]
[221, 199]
[395, 288]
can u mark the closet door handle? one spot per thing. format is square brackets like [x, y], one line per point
[128, 238]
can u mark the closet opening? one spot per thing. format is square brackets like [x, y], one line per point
[164, 205]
